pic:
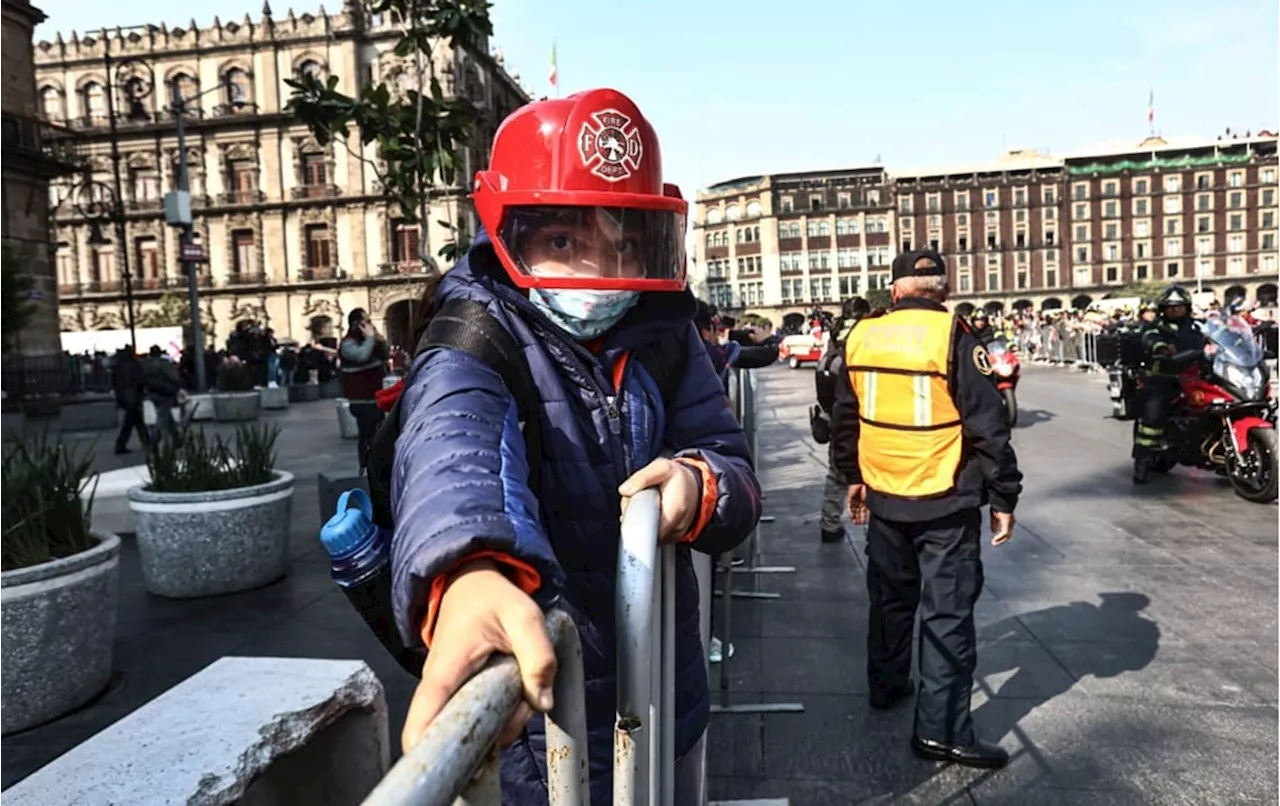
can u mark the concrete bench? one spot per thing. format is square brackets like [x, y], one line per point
[89, 415]
[333, 484]
[251, 731]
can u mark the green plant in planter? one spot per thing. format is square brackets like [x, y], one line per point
[234, 377]
[190, 463]
[44, 516]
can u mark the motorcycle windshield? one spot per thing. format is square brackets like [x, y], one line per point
[997, 348]
[1234, 340]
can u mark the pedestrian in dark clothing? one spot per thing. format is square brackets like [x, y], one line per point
[835, 492]
[920, 434]
[129, 390]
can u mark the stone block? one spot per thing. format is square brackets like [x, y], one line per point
[259, 731]
[304, 392]
[348, 428]
[333, 484]
[111, 513]
[89, 415]
[274, 397]
[200, 407]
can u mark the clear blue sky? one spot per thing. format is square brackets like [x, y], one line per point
[752, 86]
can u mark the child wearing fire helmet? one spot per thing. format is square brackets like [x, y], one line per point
[581, 260]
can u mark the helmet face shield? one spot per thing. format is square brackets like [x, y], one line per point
[596, 247]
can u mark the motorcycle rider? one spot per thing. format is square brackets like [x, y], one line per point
[1173, 343]
[982, 327]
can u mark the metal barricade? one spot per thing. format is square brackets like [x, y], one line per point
[644, 733]
[456, 762]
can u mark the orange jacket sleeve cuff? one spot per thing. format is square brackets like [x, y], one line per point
[525, 577]
[710, 494]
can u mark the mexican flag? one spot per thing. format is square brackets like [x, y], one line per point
[553, 77]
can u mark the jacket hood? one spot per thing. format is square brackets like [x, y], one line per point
[656, 314]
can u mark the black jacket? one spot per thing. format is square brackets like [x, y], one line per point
[1172, 347]
[988, 469]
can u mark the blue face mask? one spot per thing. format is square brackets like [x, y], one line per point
[584, 314]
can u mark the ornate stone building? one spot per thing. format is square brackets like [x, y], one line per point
[1025, 231]
[296, 234]
[34, 152]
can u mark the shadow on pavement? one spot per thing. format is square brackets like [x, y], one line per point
[1030, 417]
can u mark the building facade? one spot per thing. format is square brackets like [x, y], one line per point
[1028, 231]
[296, 234]
[34, 153]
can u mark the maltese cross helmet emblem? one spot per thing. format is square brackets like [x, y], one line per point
[612, 148]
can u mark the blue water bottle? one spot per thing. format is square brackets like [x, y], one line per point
[360, 562]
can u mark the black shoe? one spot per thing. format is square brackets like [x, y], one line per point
[122, 451]
[886, 699]
[832, 535]
[980, 754]
[1141, 470]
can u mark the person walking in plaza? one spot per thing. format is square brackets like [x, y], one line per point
[919, 432]
[835, 492]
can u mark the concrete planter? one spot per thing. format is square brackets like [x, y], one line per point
[206, 544]
[274, 398]
[200, 407]
[348, 428]
[236, 407]
[304, 392]
[330, 388]
[59, 626]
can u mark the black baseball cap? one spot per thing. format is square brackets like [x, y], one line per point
[918, 263]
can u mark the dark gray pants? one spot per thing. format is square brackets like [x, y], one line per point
[835, 495]
[934, 566]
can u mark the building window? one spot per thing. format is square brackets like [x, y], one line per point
[244, 262]
[148, 259]
[1268, 197]
[1141, 229]
[788, 204]
[1081, 190]
[1113, 274]
[1269, 264]
[753, 209]
[1268, 219]
[1268, 240]
[824, 229]
[94, 110]
[1110, 209]
[1235, 179]
[1082, 232]
[993, 279]
[1020, 197]
[1204, 246]
[1141, 271]
[964, 282]
[1051, 278]
[1140, 187]
[991, 198]
[815, 204]
[1109, 232]
[962, 200]
[1109, 188]
[242, 178]
[1235, 200]
[1204, 202]
[1172, 204]
[1172, 183]
[964, 243]
[1235, 265]
[1048, 237]
[315, 174]
[237, 87]
[404, 241]
[1082, 254]
[1173, 226]
[1113, 251]
[1236, 221]
[714, 216]
[1204, 223]
[51, 104]
[1204, 181]
[1050, 195]
[67, 273]
[1204, 268]
[904, 205]
[1081, 212]
[1172, 247]
[102, 264]
[1171, 270]
[842, 201]
[1020, 239]
[1268, 176]
[319, 247]
[1140, 249]
[1020, 216]
[1235, 243]
[732, 212]
[145, 183]
[1140, 207]
[1050, 213]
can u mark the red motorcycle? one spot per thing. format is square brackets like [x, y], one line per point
[1007, 370]
[1224, 418]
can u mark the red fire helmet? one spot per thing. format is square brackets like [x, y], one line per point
[574, 198]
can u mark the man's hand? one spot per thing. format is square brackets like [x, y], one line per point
[482, 612]
[677, 492]
[857, 503]
[1001, 527]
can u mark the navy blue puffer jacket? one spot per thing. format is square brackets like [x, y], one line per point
[460, 486]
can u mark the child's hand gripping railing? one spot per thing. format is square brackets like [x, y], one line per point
[456, 761]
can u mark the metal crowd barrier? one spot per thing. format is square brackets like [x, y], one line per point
[456, 761]
[742, 398]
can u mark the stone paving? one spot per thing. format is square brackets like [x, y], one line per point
[1128, 638]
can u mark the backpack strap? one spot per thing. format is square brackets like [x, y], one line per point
[463, 325]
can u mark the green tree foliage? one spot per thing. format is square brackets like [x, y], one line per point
[173, 311]
[879, 298]
[1148, 291]
[16, 307]
[420, 137]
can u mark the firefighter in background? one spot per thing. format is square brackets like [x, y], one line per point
[919, 432]
[1173, 344]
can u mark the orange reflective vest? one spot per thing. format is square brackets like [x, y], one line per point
[909, 441]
